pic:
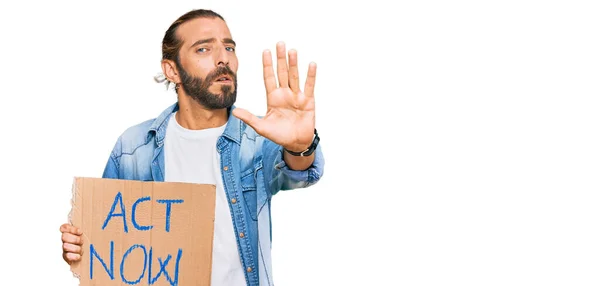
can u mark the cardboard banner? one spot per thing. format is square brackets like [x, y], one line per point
[143, 233]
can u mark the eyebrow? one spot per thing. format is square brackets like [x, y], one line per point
[212, 40]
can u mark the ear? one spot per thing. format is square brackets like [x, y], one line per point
[170, 71]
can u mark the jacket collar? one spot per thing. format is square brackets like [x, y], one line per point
[233, 130]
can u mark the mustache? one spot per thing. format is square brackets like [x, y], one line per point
[220, 71]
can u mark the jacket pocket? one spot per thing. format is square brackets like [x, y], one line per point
[254, 191]
[249, 192]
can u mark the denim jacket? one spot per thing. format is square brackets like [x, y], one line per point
[253, 171]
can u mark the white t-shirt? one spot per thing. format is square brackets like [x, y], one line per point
[191, 156]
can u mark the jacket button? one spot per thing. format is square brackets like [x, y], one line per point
[225, 168]
[233, 201]
[241, 234]
[249, 269]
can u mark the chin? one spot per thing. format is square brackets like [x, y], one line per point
[220, 92]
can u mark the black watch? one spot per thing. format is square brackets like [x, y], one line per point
[311, 148]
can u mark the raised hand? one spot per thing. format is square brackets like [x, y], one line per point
[290, 117]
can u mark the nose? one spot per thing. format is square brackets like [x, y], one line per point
[222, 57]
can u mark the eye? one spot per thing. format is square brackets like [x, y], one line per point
[231, 49]
[202, 50]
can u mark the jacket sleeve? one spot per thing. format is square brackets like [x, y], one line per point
[111, 170]
[280, 177]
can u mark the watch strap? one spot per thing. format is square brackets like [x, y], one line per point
[309, 150]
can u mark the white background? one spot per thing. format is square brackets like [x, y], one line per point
[461, 138]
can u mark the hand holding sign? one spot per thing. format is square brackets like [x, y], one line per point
[71, 238]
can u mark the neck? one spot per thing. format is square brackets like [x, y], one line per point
[194, 116]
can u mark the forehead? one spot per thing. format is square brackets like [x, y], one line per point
[203, 28]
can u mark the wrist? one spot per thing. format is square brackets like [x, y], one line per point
[296, 148]
[306, 151]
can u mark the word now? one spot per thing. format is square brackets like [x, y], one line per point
[119, 200]
[148, 262]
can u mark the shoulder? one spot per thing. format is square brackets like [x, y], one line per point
[143, 133]
[250, 136]
[252, 144]
[133, 137]
[247, 131]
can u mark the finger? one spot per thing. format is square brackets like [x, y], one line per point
[71, 257]
[309, 86]
[249, 118]
[294, 77]
[282, 66]
[65, 257]
[71, 238]
[73, 248]
[70, 229]
[268, 73]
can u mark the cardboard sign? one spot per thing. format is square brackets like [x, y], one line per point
[143, 233]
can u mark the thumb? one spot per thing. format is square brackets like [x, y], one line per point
[248, 118]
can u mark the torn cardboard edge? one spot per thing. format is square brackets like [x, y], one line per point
[74, 209]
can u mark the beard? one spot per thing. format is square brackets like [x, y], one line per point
[197, 88]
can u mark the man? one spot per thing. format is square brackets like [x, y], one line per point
[204, 138]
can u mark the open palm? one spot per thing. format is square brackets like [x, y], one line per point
[290, 117]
